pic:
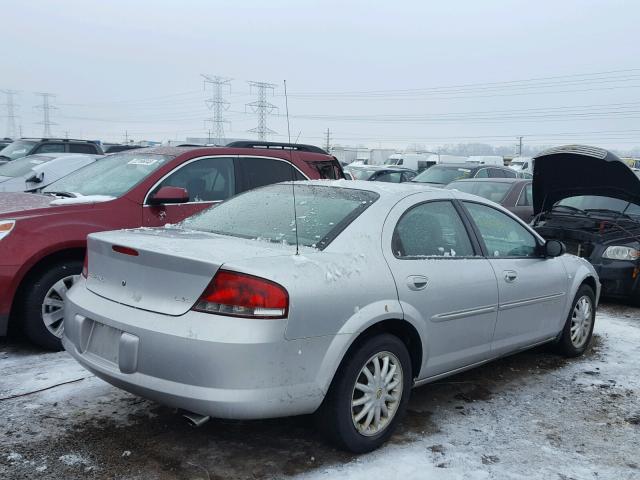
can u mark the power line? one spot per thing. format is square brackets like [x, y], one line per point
[11, 114]
[262, 108]
[46, 108]
[217, 104]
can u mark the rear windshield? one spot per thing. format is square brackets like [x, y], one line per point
[494, 191]
[267, 214]
[113, 176]
[362, 173]
[442, 175]
[22, 166]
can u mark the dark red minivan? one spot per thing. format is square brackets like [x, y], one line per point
[43, 237]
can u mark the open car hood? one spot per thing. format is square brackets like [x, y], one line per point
[573, 170]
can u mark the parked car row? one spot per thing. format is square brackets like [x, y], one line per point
[43, 236]
[329, 297]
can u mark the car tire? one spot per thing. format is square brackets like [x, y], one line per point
[42, 310]
[578, 329]
[337, 417]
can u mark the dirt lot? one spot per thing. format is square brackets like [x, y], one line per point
[533, 415]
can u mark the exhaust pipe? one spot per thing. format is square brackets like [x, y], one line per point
[195, 419]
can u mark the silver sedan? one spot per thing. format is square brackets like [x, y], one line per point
[248, 310]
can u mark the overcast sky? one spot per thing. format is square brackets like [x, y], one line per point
[428, 72]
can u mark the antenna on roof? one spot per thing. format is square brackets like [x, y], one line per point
[293, 170]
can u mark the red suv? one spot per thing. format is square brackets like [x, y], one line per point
[43, 237]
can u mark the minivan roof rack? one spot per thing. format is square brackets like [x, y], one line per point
[276, 145]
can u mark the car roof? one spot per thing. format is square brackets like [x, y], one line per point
[384, 189]
[398, 168]
[497, 179]
[285, 154]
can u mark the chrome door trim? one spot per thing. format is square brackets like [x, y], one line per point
[469, 312]
[433, 378]
[530, 301]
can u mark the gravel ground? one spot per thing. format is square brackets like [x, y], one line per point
[532, 415]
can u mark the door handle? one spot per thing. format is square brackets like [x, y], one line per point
[417, 282]
[510, 275]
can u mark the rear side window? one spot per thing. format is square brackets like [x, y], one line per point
[83, 148]
[432, 229]
[258, 172]
[206, 180]
[389, 177]
[526, 196]
[267, 214]
[326, 170]
[51, 148]
[502, 173]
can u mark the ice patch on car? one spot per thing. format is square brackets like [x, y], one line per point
[85, 199]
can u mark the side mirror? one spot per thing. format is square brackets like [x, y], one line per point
[169, 195]
[554, 248]
[36, 178]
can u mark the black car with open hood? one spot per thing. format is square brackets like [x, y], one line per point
[590, 199]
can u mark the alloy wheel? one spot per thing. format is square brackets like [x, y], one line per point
[377, 393]
[581, 320]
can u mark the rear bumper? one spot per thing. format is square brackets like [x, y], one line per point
[619, 279]
[7, 290]
[209, 364]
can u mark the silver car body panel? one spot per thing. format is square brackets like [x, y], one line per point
[142, 335]
[61, 166]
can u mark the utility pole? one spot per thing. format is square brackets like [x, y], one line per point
[126, 136]
[217, 104]
[520, 146]
[262, 108]
[328, 144]
[46, 108]
[11, 113]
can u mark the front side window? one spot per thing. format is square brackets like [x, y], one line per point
[112, 176]
[267, 214]
[432, 229]
[502, 235]
[206, 180]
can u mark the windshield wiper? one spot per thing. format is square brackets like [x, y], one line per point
[62, 194]
[609, 211]
[570, 208]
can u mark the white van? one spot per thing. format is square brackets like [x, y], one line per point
[422, 161]
[522, 164]
[487, 160]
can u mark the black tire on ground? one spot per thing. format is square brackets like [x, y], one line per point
[565, 346]
[334, 417]
[33, 298]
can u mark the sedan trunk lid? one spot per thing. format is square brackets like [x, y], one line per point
[164, 270]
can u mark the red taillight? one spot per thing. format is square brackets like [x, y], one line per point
[85, 265]
[241, 295]
[125, 250]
